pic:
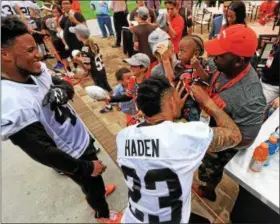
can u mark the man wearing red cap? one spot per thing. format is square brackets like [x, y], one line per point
[235, 88]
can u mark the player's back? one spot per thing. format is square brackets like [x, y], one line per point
[158, 162]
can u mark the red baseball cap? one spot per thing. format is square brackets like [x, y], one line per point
[236, 39]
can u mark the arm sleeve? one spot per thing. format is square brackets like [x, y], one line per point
[64, 85]
[36, 143]
[120, 98]
[79, 17]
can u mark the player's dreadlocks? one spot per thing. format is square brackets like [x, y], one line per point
[11, 28]
[150, 95]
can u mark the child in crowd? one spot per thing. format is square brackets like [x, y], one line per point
[139, 64]
[91, 59]
[189, 66]
[123, 76]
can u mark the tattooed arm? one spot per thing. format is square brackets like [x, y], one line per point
[226, 134]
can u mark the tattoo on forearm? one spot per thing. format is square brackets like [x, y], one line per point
[226, 134]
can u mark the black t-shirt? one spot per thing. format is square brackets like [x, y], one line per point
[94, 60]
[70, 38]
[271, 75]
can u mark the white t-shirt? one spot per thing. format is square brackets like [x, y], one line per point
[21, 105]
[158, 163]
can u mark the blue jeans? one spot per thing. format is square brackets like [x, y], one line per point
[105, 20]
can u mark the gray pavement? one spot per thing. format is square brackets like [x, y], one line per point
[32, 192]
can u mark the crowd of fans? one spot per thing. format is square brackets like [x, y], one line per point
[168, 77]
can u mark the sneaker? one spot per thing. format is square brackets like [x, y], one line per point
[115, 217]
[204, 192]
[106, 110]
[110, 188]
[58, 66]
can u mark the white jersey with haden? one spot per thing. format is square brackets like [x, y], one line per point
[158, 163]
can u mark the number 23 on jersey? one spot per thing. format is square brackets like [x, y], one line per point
[152, 177]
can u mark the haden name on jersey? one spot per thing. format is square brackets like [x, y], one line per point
[146, 147]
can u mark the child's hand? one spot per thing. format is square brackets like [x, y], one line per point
[195, 63]
[163, 51]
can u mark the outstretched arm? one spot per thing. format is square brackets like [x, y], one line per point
[226, 135]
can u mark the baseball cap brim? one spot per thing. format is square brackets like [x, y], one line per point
[72, 29]
[132, 62]
[164, 42]
[213, 48]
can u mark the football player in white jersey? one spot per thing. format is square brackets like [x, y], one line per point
[159, 157]
[37, 118]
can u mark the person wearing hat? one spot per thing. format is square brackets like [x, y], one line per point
[139, 65]
[141, 33]
[134, 14]
[162, 49]
[91, 59]
[235, 88]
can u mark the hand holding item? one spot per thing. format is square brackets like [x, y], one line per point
[163, 51]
